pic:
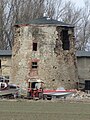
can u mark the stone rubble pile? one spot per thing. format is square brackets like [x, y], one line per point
[79, 95]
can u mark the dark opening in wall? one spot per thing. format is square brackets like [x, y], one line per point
[53, 79]
[65, 40]
[54, 67]
[34, 65]
[7, 77]
[0, 64]
[34, 46]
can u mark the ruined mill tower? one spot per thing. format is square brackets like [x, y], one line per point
[44, 49]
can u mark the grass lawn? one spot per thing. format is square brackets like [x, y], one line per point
[38, 110]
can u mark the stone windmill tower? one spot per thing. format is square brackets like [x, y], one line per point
[44, 49]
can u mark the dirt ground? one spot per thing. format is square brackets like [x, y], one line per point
[44, 110]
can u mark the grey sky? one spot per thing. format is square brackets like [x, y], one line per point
[79, 3]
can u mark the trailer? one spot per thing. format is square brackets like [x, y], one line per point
[8, 90]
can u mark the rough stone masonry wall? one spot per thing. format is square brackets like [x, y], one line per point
[69, 76]
[83, 69]
[5, 66]
[56, 67]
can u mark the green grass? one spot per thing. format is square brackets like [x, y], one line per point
[38, 110]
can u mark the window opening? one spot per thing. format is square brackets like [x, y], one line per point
[34, 46]
[34, 65]
[65, 40]
[33, 85]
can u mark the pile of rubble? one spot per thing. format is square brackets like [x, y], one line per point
[79, 96]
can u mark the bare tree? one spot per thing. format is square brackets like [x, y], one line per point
[25, 10]
[6, 21]
[84, 31]
[13, 11]
[2, 40]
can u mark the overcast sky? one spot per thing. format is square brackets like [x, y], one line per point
[79, 3]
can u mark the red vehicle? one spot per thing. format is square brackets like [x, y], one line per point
[35, 89]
